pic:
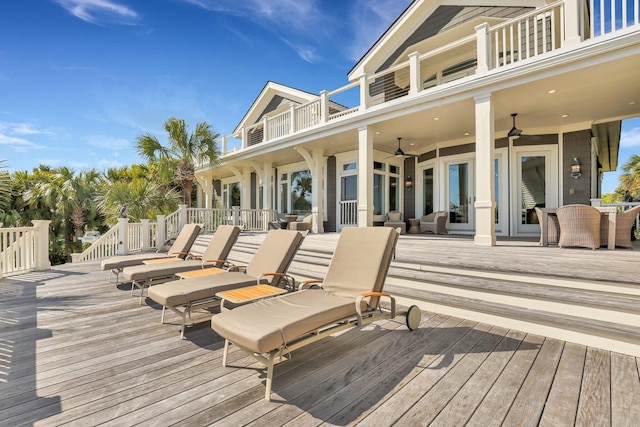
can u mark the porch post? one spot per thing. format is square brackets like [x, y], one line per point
[485, 204]
[267, 182]
[414, 73]
[42, 246]
[483, 49]
[365, 177]
[572, 18]
[245, 192]
[183, 218]
[123, 236]
[144, 245]
[315, 161]
[161, 232]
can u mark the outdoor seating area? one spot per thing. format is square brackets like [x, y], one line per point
[587, 226]
[65, 362]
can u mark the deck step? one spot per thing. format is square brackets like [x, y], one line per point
[576, 310]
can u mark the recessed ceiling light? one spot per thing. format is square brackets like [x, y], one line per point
[551, 91]
[413, 143]
[564, 116]
[466, 134]
[632, 103]
[436, 118]
[378, 132]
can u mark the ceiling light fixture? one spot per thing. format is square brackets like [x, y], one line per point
[564, 116]
[551, 91]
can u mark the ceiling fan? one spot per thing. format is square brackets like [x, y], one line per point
[517, 133]
[400, 153]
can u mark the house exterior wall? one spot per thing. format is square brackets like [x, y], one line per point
[409, 195]
[577, 144]
[254, 190]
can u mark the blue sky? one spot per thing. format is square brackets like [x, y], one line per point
[80, 79]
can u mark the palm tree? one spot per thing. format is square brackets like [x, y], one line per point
[629, 185]
[183, 153]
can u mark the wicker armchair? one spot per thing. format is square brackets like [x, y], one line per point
[435, 222]
[579, 225]
[553, 228]
[395, 219]
[624, 222]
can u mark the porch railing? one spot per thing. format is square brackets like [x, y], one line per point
[525, 37]
[24, 249]
[246, 219]
[348, 212]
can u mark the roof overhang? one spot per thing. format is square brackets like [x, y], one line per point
[608, 142]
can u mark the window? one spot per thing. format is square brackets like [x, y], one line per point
[378, 194]
[427, 191]
[301, 192]
[234, 194]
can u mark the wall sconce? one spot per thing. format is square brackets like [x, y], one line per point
[576, 168]
[408, 183]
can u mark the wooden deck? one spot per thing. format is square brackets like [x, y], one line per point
[77, 350]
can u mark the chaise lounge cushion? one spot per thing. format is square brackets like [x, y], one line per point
[270, 323]
[183, 292]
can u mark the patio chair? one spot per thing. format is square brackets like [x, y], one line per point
[178, 251]
[349, 295]
[624, 224]
[435, 222]
[269, 265]
[157, 271]
[305, 225]
[579, 226]
[553, 227]
[395, 219]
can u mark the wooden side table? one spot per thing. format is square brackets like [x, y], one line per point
[248, 294]
[414, 226]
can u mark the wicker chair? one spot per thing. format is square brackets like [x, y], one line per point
[624, 222]
[579, 225]
[435, 222]
[553, 228]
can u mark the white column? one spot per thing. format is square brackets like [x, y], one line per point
[315, 161]
[245, 192]
[145, 244]
[365, 177]
[324, 106]
[183, 217]
[267, 183]
[485, 197]
[483, 49]
[572, 23]
[414, 73]
[363, 93]
[42, 248]
[161, 231]
[123, 236]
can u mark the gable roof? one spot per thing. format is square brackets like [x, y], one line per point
[271, 97]
[424, 19]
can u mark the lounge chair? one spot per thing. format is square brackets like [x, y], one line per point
[350, 295]
[154, 271]
[268, 265]
[179, 250]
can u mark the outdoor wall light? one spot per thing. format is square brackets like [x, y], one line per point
[576, 168]
[408, 183]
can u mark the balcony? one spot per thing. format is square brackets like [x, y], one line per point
[533, 36]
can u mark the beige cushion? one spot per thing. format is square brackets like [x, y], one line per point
[123, 261]
[221, 243]
[165, 269]
[394, 216]
[429, 218]
[270, 323]
[183, 292]
[275, 252]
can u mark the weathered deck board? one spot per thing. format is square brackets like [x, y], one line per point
[77, 349]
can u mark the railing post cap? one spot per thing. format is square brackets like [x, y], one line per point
[483, 26]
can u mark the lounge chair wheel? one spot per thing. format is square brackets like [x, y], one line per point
[413, 317]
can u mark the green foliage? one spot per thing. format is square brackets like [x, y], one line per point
[629, 188]
[184, 152]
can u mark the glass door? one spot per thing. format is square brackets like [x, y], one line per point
[460, 194]
[536, 187]
[348, 205]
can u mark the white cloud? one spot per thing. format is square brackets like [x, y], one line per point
[108, 142]
[99, 11]
[630, 137]
[18, 144]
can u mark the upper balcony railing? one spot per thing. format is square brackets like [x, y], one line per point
[515, 42]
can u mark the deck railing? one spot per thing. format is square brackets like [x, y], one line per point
[525, 37]
[24, 249]
[246, 219]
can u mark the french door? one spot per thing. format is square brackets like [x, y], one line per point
[348, 204]
[460, 193]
